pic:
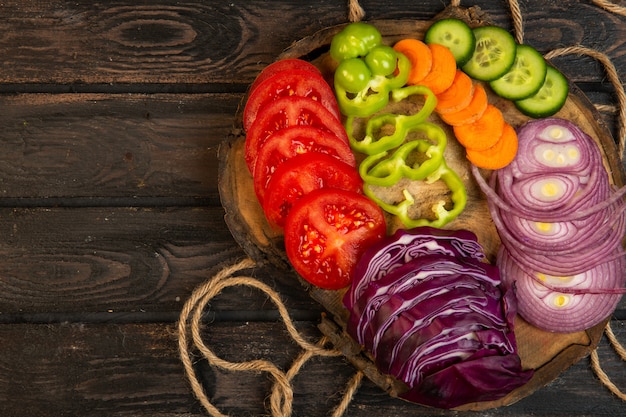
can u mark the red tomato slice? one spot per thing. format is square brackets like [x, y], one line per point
[286, 64]
[289, 142]
[285, 112]
[327, 231]
[300, 175]
[289, 83]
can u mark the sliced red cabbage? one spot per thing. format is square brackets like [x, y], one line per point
[425, 303]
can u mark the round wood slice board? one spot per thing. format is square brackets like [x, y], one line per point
[549, 354]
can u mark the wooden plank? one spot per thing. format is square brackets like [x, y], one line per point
[58, 264]
[134, 370]
[60, 42]
[98, 145]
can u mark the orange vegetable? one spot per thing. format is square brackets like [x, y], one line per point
[458, 96]
[484, 132]
[420, 57]
[443, 70]
[472, 112]
[500, 154]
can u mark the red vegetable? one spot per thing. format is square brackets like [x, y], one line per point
[294, 82]
[287, 64]
[292, 141]
[287, 112]
[558, 216]
[327, 231]
[430, 310]
[302, 174]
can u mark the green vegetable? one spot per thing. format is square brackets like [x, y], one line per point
[494, 54]
[525, 77]
[550, 97]
[355, 40]
[374, 96]
[401, 124]
[454, 34]
[353, 75]
[443, 216]
[382, 60]
[367, 70]
[379, 169]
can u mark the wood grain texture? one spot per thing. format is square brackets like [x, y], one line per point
[112, 114]
[74, 369]
[195, 42]
[97, 145]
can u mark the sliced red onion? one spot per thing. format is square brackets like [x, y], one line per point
[558, 216]
[569, 303]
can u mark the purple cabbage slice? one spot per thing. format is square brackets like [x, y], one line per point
[432, 313]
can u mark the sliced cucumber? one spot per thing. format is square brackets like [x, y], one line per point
[493, 55]
[550, 97]
[454, 34]
[525, 77]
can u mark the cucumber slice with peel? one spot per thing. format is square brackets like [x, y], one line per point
[493, 55]
[550, 97]
[454, 34]
[525, 77]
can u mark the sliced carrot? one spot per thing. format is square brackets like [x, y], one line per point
[472, 112]
[420, 57]
[484, 132]
[458, 96]
[500, 154]
[443, 71]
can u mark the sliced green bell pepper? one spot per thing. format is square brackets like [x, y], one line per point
[400, 124]
[383, 170]
[443, 216]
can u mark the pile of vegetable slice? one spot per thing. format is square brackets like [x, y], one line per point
[431, 313]
[304, 173]
[561, 225]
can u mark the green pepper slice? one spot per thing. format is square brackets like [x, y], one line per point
[379, 169]
[443, 216]
[400, 124]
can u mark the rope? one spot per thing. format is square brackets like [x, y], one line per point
[595, 363]
[613, 77]
[189, 327]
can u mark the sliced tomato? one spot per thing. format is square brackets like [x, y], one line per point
[286, 112]
[292, 141]
[300, 175]
[286, 64]
[289, 83]
[327, 231]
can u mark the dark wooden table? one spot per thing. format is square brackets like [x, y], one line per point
[112, 115]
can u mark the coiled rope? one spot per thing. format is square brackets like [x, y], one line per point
[190, 339]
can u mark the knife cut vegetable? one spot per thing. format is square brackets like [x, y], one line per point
[454, 34]
[432, 314]
[549, 99]
[525, 77]
[494, 54]
[419, 56]
[561, 225]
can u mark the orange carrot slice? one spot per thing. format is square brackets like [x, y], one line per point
[484, 132]
[472, 112]
[500, 154]
[458, 96]
[443, 71]
[420, 57]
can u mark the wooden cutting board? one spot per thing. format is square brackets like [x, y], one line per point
[548, 353]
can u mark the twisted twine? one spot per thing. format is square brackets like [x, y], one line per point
[190, 326]
[281, 398]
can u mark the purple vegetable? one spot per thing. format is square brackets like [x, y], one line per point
[558, 216]
[426, 306]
